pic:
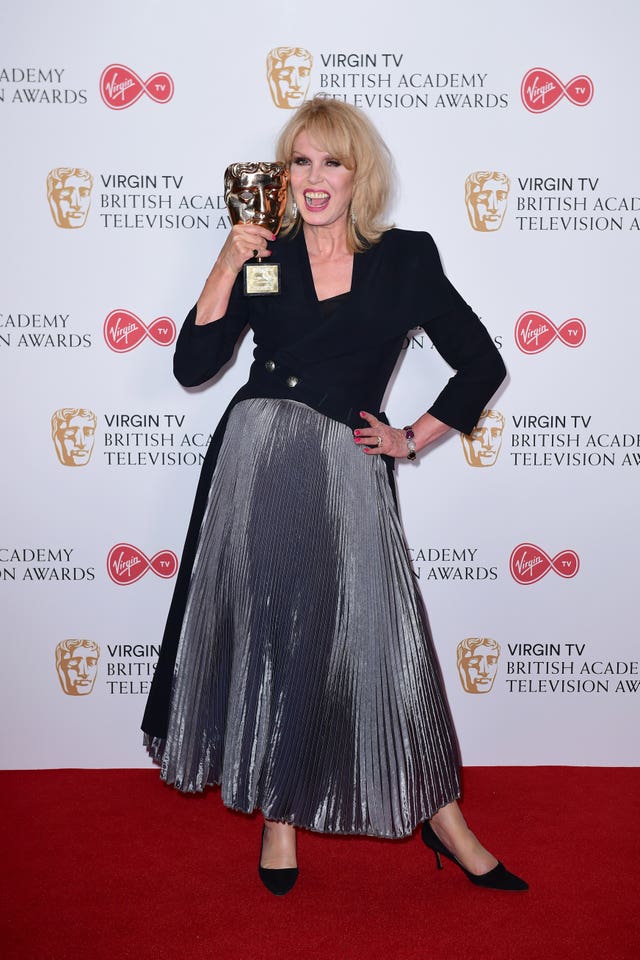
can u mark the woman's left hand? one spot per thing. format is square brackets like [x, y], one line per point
[383, 438]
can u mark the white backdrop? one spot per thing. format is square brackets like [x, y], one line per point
[443, 85]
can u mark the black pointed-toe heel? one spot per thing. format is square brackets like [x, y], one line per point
[277, 881]
[499, 878]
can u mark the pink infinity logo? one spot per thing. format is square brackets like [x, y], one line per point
[540, 90]
[126, 564]
[529, 563]
[120, 87]
[534, 332]
[123, 331]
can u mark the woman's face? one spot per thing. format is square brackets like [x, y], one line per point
[322, 186]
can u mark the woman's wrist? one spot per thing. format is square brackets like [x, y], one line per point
[410, 440]
[426, 429]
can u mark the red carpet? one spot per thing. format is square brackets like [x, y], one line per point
[113, 864]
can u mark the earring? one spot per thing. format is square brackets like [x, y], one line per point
[353, 218]
[294, 210]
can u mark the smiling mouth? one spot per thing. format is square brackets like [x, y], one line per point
[316, 199]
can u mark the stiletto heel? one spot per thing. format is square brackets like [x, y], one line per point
[277, 881]
[499, 878]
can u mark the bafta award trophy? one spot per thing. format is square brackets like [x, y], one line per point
[256, 192]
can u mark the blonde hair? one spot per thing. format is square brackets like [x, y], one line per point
[347, 134]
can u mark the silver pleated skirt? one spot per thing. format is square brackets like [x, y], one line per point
[306, 682]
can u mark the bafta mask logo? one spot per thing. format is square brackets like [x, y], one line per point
[289, 75]
[69, 195]
[482, 446]
[77, 666]
[485, 195]
[73, 430]
[478, 663]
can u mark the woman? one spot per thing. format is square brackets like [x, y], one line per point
[297, 668]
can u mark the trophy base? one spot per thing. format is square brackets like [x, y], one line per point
[261, 279]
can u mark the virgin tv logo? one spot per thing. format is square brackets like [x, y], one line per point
[121, 87]
[529, 563]
[541, 90]
[127, 564]
[534, 332]
[124, 331]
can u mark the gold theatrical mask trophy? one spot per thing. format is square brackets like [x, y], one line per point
[256, 192]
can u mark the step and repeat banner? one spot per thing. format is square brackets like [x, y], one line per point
[515, 138]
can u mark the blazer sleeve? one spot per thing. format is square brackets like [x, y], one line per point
[464, 342]
[201, 351]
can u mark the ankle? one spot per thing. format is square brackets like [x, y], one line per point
[276, 828]
[278, 849]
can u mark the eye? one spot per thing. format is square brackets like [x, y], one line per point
[245, 196]
[333, 163]
[300, 161]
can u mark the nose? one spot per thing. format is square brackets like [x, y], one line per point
[482, 667]
[315, 173]
[79, 440]
[491, 202]
[74, 200]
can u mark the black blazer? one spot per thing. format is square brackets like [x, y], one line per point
[338, 365]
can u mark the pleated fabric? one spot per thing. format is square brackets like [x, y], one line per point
[306, 682]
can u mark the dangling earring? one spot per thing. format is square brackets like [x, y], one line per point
[353, 218]
[294, 210]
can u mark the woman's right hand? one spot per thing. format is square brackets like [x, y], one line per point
[245, 241]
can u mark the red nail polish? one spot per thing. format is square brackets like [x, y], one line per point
[273, 236]
[357, 433]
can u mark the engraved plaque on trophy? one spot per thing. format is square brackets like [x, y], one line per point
[256, 192]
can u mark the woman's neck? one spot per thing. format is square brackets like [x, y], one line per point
[327, 242]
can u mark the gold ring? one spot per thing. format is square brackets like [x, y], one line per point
[379, 443]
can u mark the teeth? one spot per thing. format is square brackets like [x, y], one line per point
[316, 195]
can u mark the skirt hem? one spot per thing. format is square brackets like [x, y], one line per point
[155, 747]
